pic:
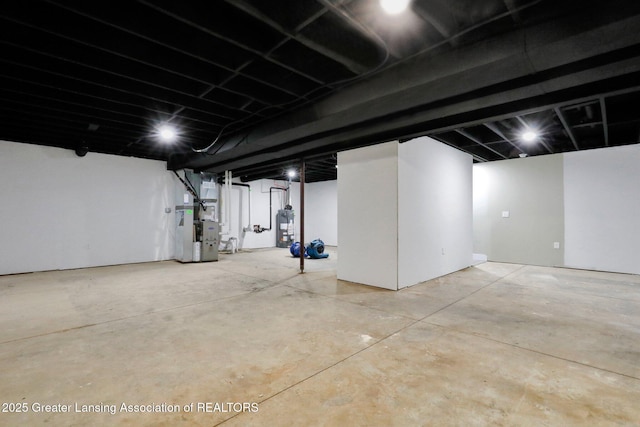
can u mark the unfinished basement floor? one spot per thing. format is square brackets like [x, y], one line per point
[248, 341]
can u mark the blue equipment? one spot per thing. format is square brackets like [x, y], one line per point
[295, 250]
[316, 249]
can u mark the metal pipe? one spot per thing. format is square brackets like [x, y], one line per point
[270, 204]
[248, 197]
[302, 216]
[226, 202]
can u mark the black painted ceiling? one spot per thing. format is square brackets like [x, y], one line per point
[253, 86]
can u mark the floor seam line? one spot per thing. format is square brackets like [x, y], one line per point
[328, 367]
[573, 293]
[531, 350]
[61, 331]
[472, 293]
[352, 303]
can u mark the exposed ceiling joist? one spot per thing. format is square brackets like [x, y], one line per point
[605, 123]
[566, 127]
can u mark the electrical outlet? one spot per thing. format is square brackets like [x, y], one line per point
[556, 245]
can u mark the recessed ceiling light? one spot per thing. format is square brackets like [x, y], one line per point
[394, 7]
[529, 136]
[167, 133]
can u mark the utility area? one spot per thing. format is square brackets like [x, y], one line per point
[205, 215]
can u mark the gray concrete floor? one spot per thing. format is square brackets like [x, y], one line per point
[495, 344]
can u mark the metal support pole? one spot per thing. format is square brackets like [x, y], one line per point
[302, 216]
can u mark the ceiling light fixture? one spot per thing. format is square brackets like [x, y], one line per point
[529, 136]
[394, 7]
[167, 133]
[291, 174]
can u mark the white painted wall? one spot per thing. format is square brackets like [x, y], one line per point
[602, 209]
[60, 211]
[435, 224]
[368, 215]
[321, 212]
[588, 201]
[531, 191]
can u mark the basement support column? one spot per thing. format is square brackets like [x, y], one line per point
[302, 250]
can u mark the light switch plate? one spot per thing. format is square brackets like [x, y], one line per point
[505, 214]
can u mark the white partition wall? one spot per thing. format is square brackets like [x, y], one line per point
[435, 221]
[404, 213]
[368, 215]
[602, 209]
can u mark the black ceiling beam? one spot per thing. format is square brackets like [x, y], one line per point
[177, 49]
[106, 115]
[118, 108]
[277, 165]
[126, 57]
[587, 124]
[309, 176]
[263, 55]
[581, 104]
[348, 63]
[511, 6]
[180, 99]
[365, 32]
[480, 143]
[567, 128]
[61, 130]
[29, 110]
[446, 30]
[85, 92]
[495, 129]
[605, 122]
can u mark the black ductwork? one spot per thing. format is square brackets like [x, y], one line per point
[517, 70]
